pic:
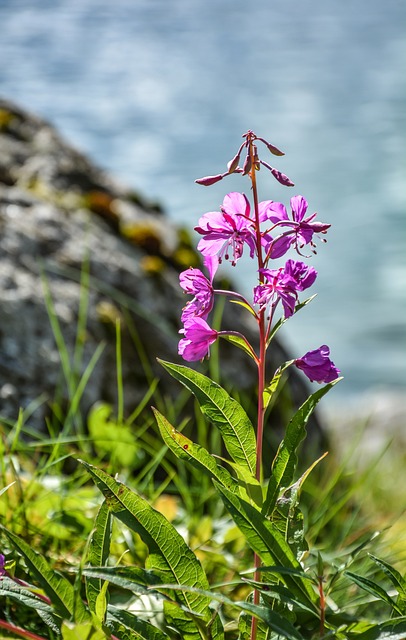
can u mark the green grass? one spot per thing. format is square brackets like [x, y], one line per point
[47, 499]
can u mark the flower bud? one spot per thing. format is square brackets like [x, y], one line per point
[209, 180]
[274, 150]
[233, 164]
[278, 175]
[247, 165]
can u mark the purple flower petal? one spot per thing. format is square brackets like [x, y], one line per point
[299, 207]
[317, 366]
[197, 341]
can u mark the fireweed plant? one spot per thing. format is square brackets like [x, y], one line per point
[287, 592]
[267, 232]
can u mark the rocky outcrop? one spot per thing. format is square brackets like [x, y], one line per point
[78, 252]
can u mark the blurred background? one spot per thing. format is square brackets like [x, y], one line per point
[159, 93]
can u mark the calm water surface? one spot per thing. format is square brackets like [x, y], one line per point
[160, 92]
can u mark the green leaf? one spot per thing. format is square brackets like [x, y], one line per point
[169, 556]
[134, 579]
[396, 578]
[271, 388]
[140, 628]
[245, 627]
[223, 411]
[374, 589]
[285, 461]
[112, 438]
[198, 456]
[267, 541]
[245, 305]
[275, 621]
[98, 552]
[394, 629]
[11, 589]
[58, 589]
[83, 631]
[249, 487]
[101, 603]
[239, 342]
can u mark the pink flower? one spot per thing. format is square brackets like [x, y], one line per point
[303, 275]
[2, 564]
[301, 229]
[283, 284]
[197, 341]
[228, 230]
[317, 366]
[195, 283]
[279, 286]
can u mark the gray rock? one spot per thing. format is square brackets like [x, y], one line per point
[60, 219]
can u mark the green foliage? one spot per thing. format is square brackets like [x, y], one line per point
[172, 557]
[223, 411]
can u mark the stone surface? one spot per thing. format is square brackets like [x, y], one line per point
[63, 220]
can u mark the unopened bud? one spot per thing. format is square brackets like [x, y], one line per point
[274, 150]
[278, 175]
[282, 178]
[233, 164]
[247, 165]
[209, 180]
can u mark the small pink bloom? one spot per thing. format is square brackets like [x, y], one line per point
[197, 341]
[195, 283]
[227, 230]
[302, 274]
[317, 366]
[300, 229]
[279, 286]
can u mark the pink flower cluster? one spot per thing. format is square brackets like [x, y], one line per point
[268, 232]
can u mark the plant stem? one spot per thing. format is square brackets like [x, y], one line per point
[18, 631]
[322, 606]
[261, 368]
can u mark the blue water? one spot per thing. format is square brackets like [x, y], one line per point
[160, 92]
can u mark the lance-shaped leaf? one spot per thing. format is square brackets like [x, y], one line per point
[98, 552]
[393, 629]
[169, 556]
[134, 579]
[140, 628]
[58, 589]
[271, 388]
[223, 411]
[397, 580]
[268, 542]
[198, 456]
[285, 461]
[23, 596]
[274, 620]
[374, 589]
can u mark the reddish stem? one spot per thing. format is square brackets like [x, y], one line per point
[261, 371]
[322, 606]
[18, 631]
